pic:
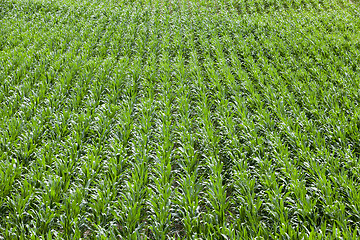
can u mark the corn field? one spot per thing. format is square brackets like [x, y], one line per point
[181, 119]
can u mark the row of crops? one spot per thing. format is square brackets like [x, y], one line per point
[179, 119]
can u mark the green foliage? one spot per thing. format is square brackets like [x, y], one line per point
[190, 119]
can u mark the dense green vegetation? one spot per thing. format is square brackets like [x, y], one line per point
[186, 119]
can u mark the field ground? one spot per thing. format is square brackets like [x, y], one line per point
[232, 119]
